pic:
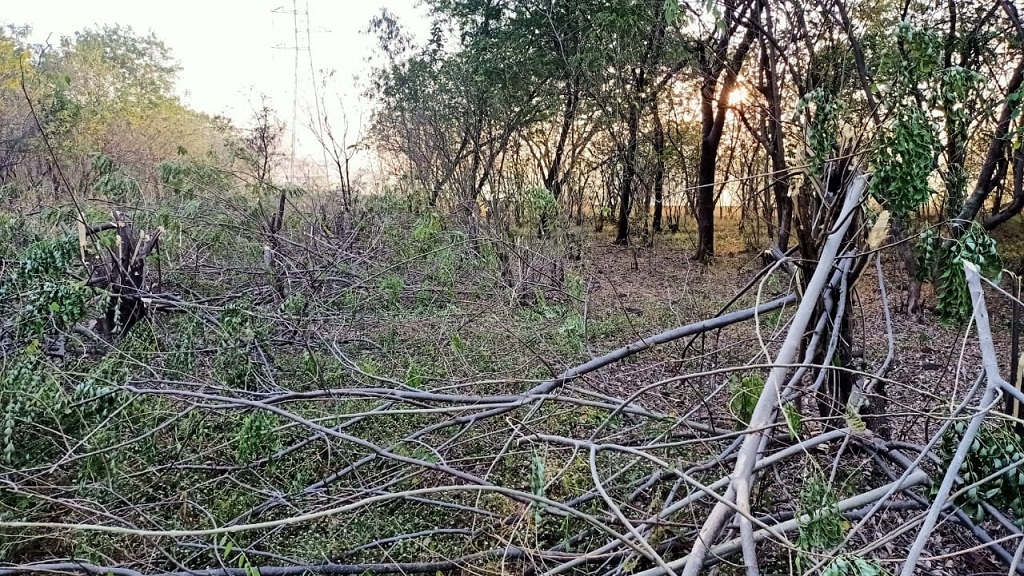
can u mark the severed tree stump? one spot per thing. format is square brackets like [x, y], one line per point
[119, 271]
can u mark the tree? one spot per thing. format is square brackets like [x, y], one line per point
[105, 91]
[335, 139]
[719, 61]
[769, 127]
[18, 132]
[544, 77]
[113, 75]
[636, 33]
[454, 115]
[934, 64]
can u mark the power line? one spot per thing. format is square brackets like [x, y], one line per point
[297, 49]
[302, 51]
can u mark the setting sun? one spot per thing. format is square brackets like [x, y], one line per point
[738, 96]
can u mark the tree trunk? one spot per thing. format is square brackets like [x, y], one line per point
[713, 112]
[553, 178]
[956, 160]
[1002, 214]
[987, 177]
[122, 275]
[914, 301]
[706, 201]
[784, 209]
[628, 174]
[839, 381]
[776, 142]
[659, 168]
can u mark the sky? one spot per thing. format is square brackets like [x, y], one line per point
[234, 51]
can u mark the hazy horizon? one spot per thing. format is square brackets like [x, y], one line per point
[232, 52]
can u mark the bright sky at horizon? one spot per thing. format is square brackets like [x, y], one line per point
[233, 51]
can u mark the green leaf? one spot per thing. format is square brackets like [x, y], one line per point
[671, 11]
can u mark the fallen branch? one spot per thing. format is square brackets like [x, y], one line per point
[989, 399]
[508, 553]
[764, 411]
[917, 478]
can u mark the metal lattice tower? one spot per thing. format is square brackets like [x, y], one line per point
[301, 46]
[300, 21]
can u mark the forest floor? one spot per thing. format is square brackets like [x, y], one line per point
[934, 364]
[379, 313]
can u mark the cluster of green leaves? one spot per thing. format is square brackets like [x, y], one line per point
[541, 210]
[182, 357]
[187, 177]
[926, 250]
[573, 329]
[996, 451]
[570, 334]
[41, 293]
[821, 526]
[94, 405]
[241, 559]
[427, 229]
[112, 182]
[24, 373]
[114, 70]
[958, 85]
[823, 129]
[60, 112]
[911, 54]
[903, 161]
[295, 306]
[15, 234]
[240, 331]
[257, 437]
[40, 412]
[946, 268]
[391, 286]
[743, 394]
[433, 241]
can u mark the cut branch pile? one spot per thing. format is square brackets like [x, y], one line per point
[643, 488]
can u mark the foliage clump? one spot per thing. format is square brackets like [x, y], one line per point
[992, 471]
[40, 292]
[943, 260]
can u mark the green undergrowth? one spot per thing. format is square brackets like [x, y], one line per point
[214, 410]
